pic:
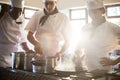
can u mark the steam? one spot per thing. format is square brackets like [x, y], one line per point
[66, 63]
[71, 60]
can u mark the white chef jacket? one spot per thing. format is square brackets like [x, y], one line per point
[50, 34]
[10, 36]
[97, 42]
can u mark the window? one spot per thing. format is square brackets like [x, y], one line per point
[113, 13]
[78, 19]
[78, 14]
[114, 20]
[28, 12]
[0, 7]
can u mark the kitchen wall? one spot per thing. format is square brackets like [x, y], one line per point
[62, 4]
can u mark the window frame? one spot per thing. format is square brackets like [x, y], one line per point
[0, 7]
[86, 16]
[110, 6]
[115, 18]
[26, 8]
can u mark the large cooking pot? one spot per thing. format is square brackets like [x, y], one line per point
[43, 64]
[22, 60]
[18, 60]
[27, 60]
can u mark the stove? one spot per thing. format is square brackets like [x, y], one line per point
[25, 75]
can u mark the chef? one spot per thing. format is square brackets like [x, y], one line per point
[49, 30]
[4, 9]
[10, 32]
[98, 37]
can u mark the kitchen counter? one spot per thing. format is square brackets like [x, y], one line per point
[113, 76]
[9, 74]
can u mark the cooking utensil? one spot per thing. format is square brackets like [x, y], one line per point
[43, 64]
[18, 60]
[22, 60]
[68, 73]
[27, 60]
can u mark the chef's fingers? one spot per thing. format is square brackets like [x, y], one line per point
[58, 55]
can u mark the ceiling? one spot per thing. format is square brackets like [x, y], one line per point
[62, 4]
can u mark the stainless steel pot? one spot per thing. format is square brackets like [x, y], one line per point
[22, 60]
[27, 61]
[43, 64]
[18, 60]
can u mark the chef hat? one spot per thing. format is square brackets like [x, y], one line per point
[17, 3]
[49, 0]
[94, 4]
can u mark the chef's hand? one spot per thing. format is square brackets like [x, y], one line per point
[106, 61]
[38, 49]
[24, 46]
[58, 55]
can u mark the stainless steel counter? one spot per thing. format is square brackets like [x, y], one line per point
[9, 74]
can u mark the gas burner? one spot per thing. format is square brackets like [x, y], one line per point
[66, 78]
[65, 73]
[73, 76]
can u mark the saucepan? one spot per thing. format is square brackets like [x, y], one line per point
[18, 60]
[43, 64]
[27, 60]
[22, 60]
[68, 73]
[64, 73]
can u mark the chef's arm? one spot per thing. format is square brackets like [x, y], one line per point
[108, 62]
[32, 40]
[65, 46]
[116, 61]
[66, 33]
[24, 46]
[67, 38]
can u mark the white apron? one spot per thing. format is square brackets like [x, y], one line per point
[49, 40]
[9, 38]
[5, 54]
[6, 49]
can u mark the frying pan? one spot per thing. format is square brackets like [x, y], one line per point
[68, 73]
